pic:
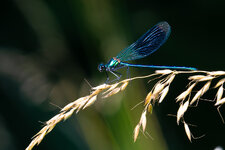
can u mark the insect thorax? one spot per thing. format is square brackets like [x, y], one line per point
[112, 64]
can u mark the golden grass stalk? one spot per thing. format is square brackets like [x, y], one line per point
[156, 95]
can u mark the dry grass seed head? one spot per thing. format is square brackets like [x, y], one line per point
[182, 109]
[66, 112]
[160, 88]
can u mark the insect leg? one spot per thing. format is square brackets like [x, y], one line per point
[128, 72]
[107, 77]
[117, 74]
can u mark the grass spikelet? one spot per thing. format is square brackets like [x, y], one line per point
[205, 88]
[220, 83]
[150, 108]
[113, 92]
[124, 85]
[207, 78]
[101, 87]
[171, 78]
[183, 95]
[196, 77]
[73, 104]
[32, 144]
[219, 93]
[53, 119]
[196, 97]
[187, 131]
[220, 102]
[158, 88]
[68, 114]
[41, 137]
[90, 101]
[45, 128]
[148, 98]
[68, 106]
[112, 87]
[163, 72]
[52, 127]
[201, 92]
[182, 109]
[217, 73]
[143, 120]
[136, 132]
[164, 93]
[81, 104]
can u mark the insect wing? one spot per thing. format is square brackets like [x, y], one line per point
[147, 43]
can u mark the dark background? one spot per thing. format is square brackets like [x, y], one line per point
[47, 48]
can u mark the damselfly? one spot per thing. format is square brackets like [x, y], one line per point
[144, 46]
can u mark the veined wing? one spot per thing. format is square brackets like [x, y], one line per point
[147, 43]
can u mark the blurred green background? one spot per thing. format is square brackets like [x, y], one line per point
[48, 48]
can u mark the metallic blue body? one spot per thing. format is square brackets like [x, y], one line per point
[158, 67]
[144, 46]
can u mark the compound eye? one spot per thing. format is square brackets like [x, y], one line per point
[101, 67]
